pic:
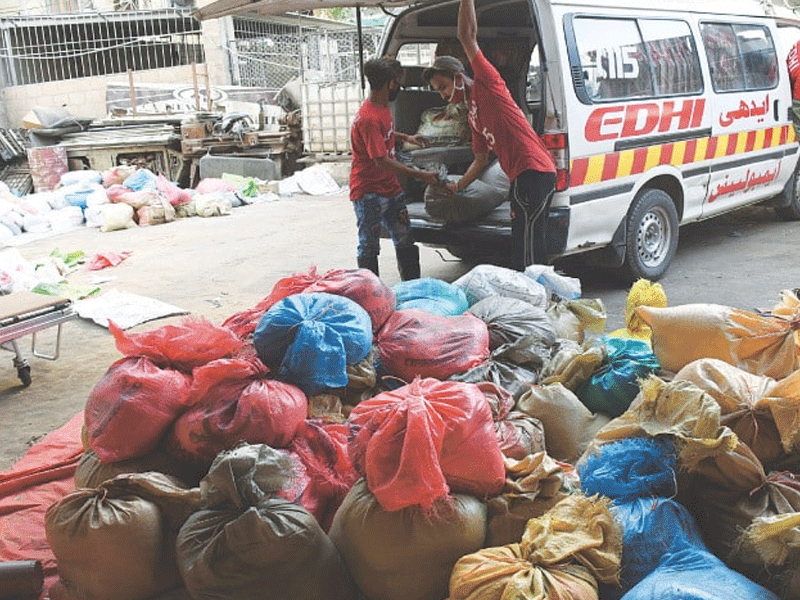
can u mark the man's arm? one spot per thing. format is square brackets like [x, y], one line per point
[474, 171]
[468, 28]
[390, 164]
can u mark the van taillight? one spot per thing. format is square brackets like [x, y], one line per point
[556, 143]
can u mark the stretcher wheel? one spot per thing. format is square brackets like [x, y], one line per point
[24, 374]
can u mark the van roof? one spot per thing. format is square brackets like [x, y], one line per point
[739, 7]
[217, 8]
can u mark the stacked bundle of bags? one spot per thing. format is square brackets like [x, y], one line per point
[410, 442]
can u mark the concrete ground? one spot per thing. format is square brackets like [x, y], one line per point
[217, 266]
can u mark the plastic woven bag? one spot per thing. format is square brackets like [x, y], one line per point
[613, 386]
[433, 295]
[312, 338]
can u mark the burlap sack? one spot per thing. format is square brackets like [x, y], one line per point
[561, 555]
[91, 471]
[572, 319]
[533, 486]
[406, 554]
[118, 541]
[760, 344]
[573, 364]
[678, 409]
[238, 545]
[568, 425]
[749, 405]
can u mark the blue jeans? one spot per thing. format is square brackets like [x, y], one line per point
[373, 211]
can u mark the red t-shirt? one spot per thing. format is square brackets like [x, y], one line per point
[371, 137]
[500, 126]
[793, 63]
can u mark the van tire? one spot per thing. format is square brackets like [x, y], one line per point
[791, 212]
[651, 235]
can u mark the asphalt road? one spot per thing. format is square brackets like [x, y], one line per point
[217, 266]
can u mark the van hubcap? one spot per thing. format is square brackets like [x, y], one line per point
[652, 240]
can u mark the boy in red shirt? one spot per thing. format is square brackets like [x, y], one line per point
[378, 198]
[499, 125]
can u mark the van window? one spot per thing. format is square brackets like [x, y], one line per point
[741, 57]
[635, 58]
[417, 55]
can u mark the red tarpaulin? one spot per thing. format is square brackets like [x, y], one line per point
[36, 481]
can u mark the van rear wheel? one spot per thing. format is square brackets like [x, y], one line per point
[791, 212]
[652, 235]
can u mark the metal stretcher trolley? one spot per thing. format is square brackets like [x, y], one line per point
[23, 313]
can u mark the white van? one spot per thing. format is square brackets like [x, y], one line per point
[657, 113]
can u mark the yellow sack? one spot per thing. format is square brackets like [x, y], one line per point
[574, 363]
[568, 425]
[765, 414]
[561, 555]
[573, 318]
[679, 409]
[533, 486]
[760, 344]
[642, 293]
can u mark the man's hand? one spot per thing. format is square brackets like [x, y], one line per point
[452, 187]
[429, 177]
[418, 140]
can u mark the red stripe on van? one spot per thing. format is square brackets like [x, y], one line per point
[688, 154]
[610, 165]
[666, 154]
[733, 141]
[639, 160]
[577, 174]
[711, 149]
[751, 141]
[784, 135]
[768, 137]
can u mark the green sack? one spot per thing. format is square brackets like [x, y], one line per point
[612, 388]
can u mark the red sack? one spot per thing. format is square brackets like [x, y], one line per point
[172, 192]
[361, 286]
[191, 344]
[322, 449]
[244, 323]
[232, 402]
[414, 342]
[132, 406]
[417, 443]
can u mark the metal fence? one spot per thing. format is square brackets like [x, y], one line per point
[270, 54]
[38, 49]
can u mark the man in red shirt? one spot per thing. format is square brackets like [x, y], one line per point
[793, 63]
[378, 198]
[499, 125]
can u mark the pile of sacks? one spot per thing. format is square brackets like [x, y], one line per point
[477, 439]
[118, 198]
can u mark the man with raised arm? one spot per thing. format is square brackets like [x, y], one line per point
[499, 125]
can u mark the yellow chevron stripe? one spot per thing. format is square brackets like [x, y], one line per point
[594, 170]
[741, 142]
[625, 166]
[792, 135]
[761, 134]
[722, 146]
[653, 157]
[678, 150]
[700, 150]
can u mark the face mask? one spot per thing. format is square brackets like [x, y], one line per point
[457, 95]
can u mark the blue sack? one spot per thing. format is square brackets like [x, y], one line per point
[141, 179]
[651, 529]
[313, 337]
[695, 574]
[433, 295]
[630, 468]
[612, 388]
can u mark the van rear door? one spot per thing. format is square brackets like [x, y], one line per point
[752, 141]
